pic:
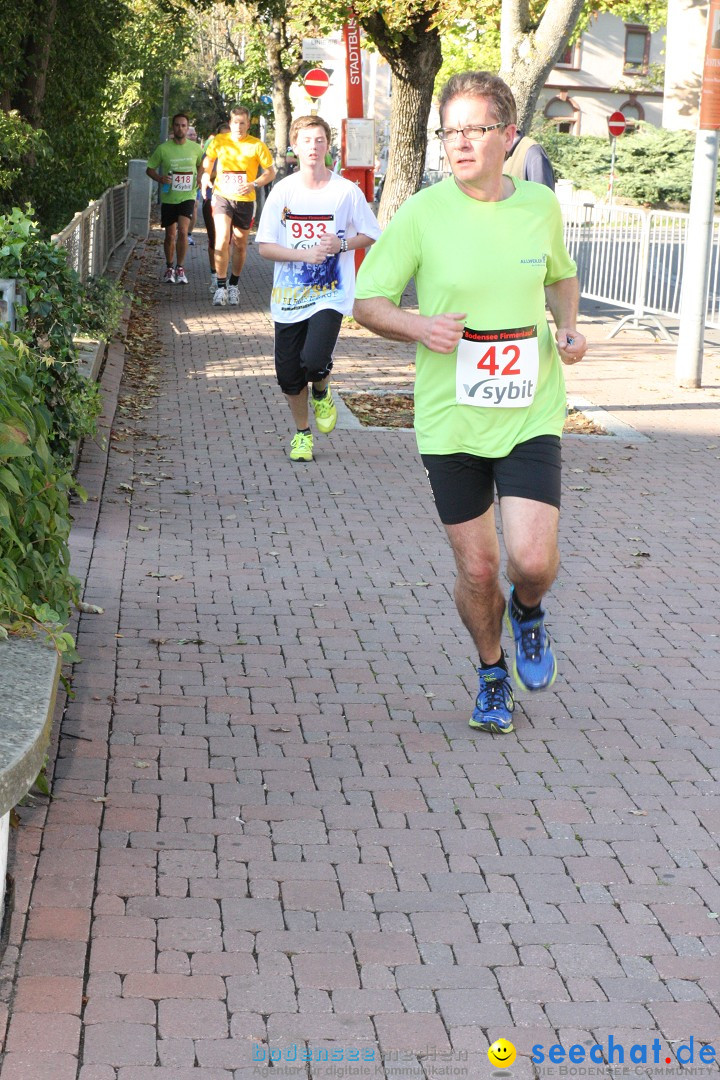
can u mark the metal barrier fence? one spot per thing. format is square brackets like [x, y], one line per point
[632, 258]
[94, 233]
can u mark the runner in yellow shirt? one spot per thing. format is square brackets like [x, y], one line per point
[239, 158]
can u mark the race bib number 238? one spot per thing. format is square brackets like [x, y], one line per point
[497, 369]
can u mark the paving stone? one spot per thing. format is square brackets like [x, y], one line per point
[120, 1044]
[31, 1066]
[411, 1031]
[43, 1033]
[192, 1019]
[327, 972]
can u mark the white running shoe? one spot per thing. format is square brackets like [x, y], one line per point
[220, 297]
[180, 276]
[233, 295]
[213, 284]
[169, 278]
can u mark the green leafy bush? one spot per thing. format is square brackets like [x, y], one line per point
[46, 405]
[55, 311]
[102, 305]
[36, 586]
[18, 142]
[652, 166]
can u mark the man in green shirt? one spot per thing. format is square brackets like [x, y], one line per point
[487, 253]
[174, 165]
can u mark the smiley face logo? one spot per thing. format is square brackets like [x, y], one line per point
[502, 1054]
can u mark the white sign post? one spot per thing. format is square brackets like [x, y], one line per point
[616, 126]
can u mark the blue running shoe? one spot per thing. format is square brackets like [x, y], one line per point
[535, 663]
[494, 704]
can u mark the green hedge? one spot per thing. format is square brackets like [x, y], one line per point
[35, 581]
[652, 166]
[46, 406]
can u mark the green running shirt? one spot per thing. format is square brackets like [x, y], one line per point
[491, 260]
[179, 159]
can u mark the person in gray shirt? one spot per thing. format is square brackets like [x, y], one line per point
[528, 161]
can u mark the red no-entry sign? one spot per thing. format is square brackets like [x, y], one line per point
[316, 82]
[616, 123]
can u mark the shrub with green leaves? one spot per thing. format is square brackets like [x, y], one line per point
[19, 141]
[35, 581]
[652, 166]
[46, 406]
[56, 309]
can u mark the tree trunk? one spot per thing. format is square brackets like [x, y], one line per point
[31, 93]
[528, 53]
[414, 61]
[283, 76]
[283, 114]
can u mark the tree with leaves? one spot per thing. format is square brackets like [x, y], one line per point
[88, 75]
[281, 26]
[408, 37]
[524, 38]
[533, 37]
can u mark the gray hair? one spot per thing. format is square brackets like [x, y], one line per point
[480, 84]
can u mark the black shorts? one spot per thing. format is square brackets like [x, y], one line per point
[209, 222]
[303, 350]
[463, 485]
[170, 212]
[241, 214]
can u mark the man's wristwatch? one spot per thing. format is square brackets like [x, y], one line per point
[343, 245]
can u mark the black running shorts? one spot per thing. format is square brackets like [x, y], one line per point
[303, 350]
[241, 214]
[463, 485]
[170, 212]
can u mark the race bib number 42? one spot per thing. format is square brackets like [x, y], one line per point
[497, 369]
[182, 181]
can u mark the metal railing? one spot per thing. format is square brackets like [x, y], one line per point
[94, 233]
[10, 297]
[632, 258]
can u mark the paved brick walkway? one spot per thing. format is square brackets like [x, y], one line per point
[271, 825]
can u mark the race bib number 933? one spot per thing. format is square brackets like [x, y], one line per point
[497, 369]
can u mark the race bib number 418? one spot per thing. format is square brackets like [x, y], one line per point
[182, 181]
[497, 369]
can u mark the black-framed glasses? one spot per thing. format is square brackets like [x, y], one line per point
[474, 132]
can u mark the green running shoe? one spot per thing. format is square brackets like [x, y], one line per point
[325, 412]
[301, 447]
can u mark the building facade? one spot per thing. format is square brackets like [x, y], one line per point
[614, 66]
[651, 77]
[684, 53]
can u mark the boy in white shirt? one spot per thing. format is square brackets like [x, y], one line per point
[311, 224]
